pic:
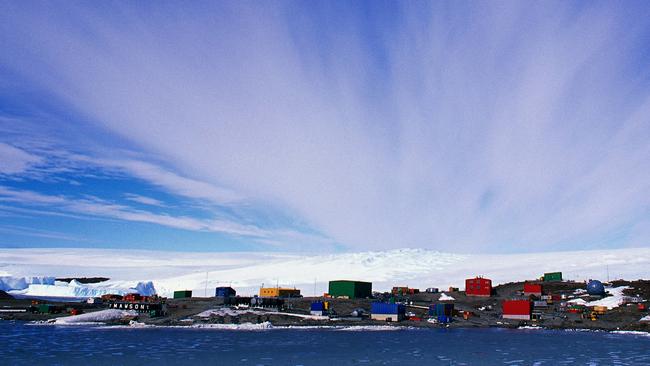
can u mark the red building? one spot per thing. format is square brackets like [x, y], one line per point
[478, 286]
[532, 289]
[404, 291]
[517, 309]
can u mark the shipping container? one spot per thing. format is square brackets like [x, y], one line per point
[532, 289]
[441, 309]
[182, 294]
[478, 286]
[320, 308]
[224, 292]
[401, 291]
[517, 309]
[49, 309]
[552, 276]
[317, 305]
[350, 289]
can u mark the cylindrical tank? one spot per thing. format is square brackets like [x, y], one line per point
[595, 287]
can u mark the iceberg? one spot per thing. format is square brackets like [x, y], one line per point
[76, 289]
[8, 283]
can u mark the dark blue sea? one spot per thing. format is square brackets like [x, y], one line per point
[23, 344]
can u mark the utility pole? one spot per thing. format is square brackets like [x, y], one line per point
[206, 284]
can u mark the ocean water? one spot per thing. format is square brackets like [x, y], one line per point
[23, 344]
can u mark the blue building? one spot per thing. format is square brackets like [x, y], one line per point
[225, 292]
[387, 312]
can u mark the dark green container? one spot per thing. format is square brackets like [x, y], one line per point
[184, 294]
[552, 276]
[45, 308]
[350, 289]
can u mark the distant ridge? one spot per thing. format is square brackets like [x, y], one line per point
[84, 279]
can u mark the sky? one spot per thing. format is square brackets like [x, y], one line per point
[325, 126]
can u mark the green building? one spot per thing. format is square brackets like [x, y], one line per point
[552, 276]
[182, 294]
[350, 289]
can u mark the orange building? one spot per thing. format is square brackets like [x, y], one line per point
[279, 292]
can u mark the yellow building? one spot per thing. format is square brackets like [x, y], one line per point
[279, 292]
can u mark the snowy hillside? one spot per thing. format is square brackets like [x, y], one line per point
[247, 271]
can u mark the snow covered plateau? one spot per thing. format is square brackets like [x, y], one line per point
[32, 271]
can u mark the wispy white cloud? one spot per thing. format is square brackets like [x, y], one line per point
[170, 181]
[143, 199]
[473, 126]
[96, 208]
[47, 234]
[102, 208]
[14, 160]
[49, 157]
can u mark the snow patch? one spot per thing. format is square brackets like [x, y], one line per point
[615, 300]
[445, 297]
[95, 317]
[577, 302]
[645, 319]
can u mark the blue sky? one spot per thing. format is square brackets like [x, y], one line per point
[325, 126]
